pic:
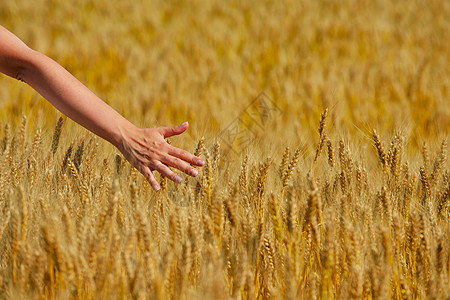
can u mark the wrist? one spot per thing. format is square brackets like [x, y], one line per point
[123, 132]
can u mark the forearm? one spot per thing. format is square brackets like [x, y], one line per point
[73, 98]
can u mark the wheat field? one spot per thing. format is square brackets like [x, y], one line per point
[323, 125]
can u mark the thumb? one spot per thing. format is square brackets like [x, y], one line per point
[174, 130]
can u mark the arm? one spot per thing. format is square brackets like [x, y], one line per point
[146, 149]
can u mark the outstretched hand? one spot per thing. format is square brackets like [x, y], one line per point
[147, 150]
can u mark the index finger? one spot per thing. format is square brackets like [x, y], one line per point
[186, 156]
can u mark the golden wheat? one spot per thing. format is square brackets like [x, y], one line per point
[368, 220]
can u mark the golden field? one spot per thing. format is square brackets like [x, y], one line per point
[299, 199]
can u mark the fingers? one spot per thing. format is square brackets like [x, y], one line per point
[180, 165]
[150, 178]
[173, 130]
[186, 156]
[164, 170]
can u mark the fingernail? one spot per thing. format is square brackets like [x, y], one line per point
[200, 162]
[156, 187]
[178, 179]
[182, 124]
[194, 172]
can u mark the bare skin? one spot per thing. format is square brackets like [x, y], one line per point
[145, 148]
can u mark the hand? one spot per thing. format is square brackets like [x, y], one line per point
[147, 150]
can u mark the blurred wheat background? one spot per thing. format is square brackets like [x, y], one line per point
[317, 205]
